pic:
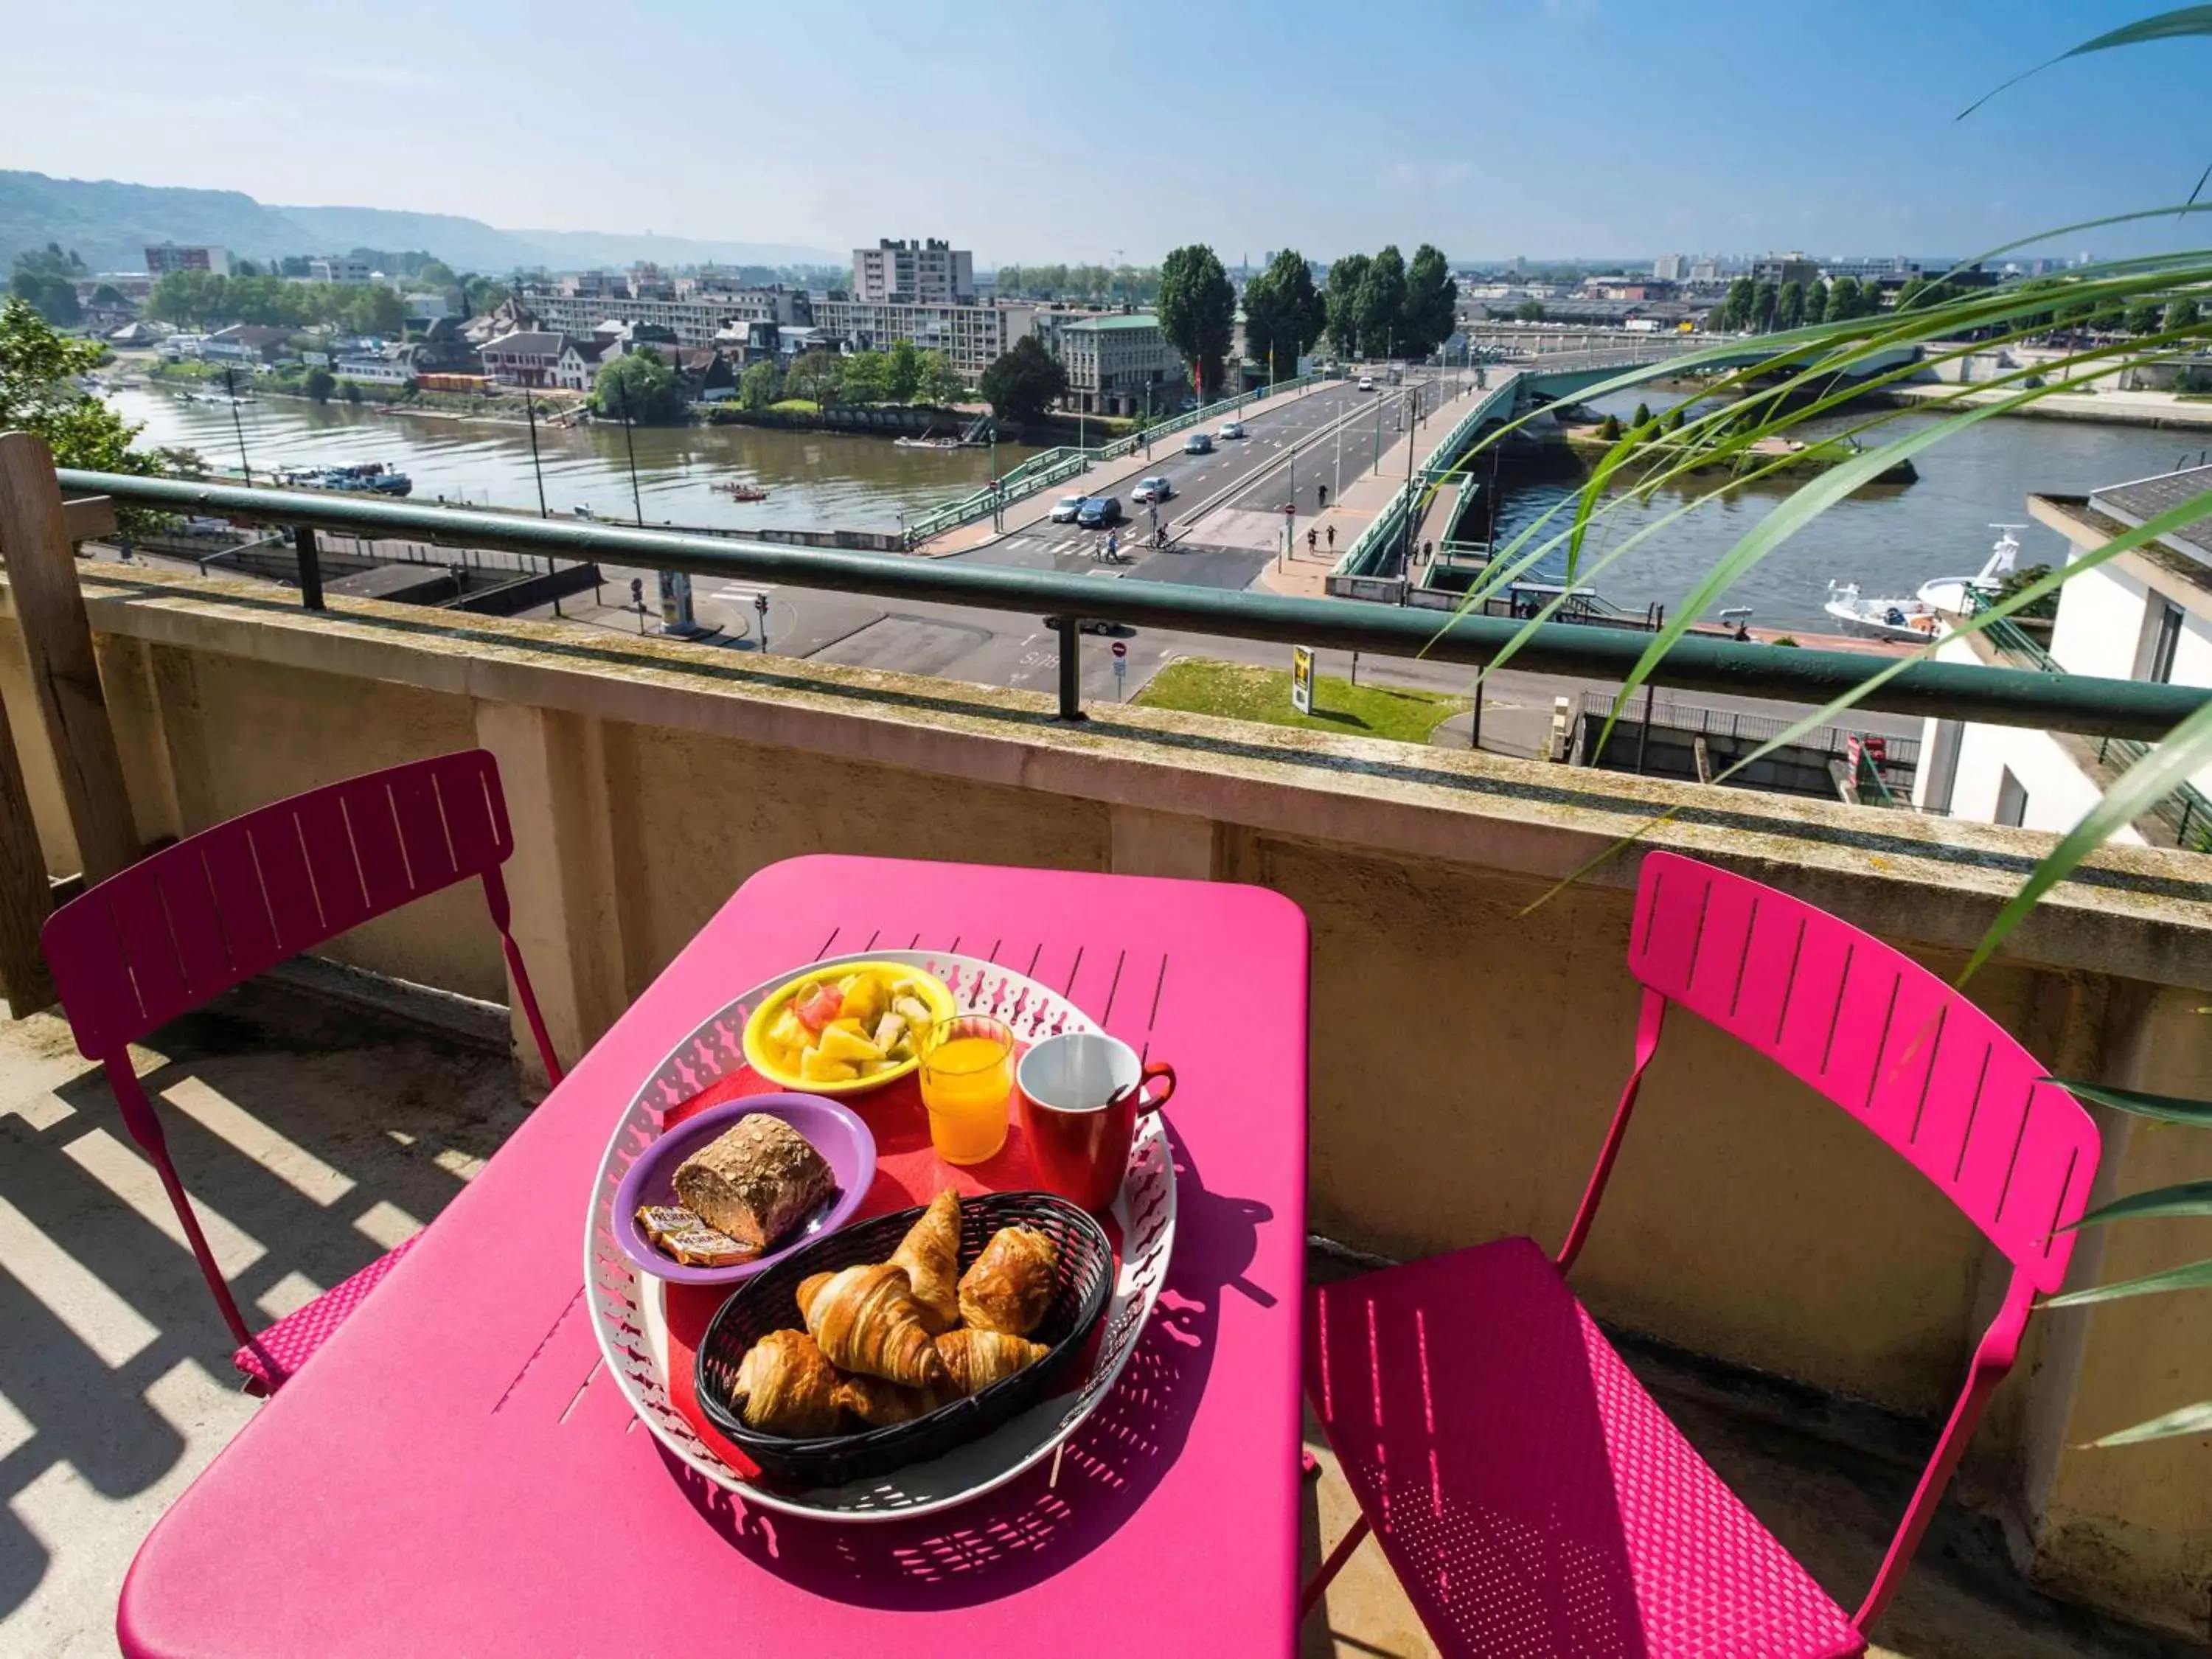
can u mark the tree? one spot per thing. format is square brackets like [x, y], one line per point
[2107, 318]
[1382, 300]
[1342, 303]
[1642, 417]
[1816, 302]
[813, 376]
[350, 391]
[1735, 309]
[2180, 314]
[936, 381]
[904, 372]
[438, 276]
[319, 384]
[38, 393]
[1431, 311]
[863, 378]
[638, 386]
[377, 310]
[759, 386]
[46, 278]
[2142, 317]
[1530, 311]
[1198, 312]
[1284, 314]
[1023, 383]
[1609, 429]
[1763, 302]
[1675, 417]
[1790, 305]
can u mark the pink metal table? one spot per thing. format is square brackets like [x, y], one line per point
[455, 1474]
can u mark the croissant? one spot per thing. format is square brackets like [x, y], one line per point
[785, 1386]
[879, 1404]
[1010, 1285]
[930, 1253]
[867, 1320]
[974, 1360]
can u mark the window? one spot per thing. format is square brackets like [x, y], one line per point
[2161, 634]
[2012, 800]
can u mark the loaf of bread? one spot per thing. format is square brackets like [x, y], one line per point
[755, 1182]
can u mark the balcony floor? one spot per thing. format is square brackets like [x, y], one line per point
[317, 1134]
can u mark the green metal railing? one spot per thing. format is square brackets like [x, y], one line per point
[1053, 466]
[2141, 710]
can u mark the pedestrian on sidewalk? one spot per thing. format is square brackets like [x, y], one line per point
[1313, 540]
[1332, 538]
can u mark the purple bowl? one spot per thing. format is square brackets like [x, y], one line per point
[836, 1133]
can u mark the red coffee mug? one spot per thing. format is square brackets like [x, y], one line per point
[1080, 1094]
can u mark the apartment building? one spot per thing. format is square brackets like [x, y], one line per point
[580, 304]
[2143, 615]
[1116, 364]
[971, 336]
[931, 272]
[339, 268]
[526, 357]
[162, 257]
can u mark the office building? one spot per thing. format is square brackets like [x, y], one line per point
[1670, 267]
[1119, 365]
[162, 257]
[930, 272]
[695, 313]
[339, 268]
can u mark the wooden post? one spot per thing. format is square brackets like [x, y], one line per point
[26, 895]
[57, 638]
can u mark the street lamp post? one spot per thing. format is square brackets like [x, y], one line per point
[230, 386]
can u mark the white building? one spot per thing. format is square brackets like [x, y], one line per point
[1670, 267]
[162, 257]
[971, 336]
[339, 268]
[931, 272]
[2143, 614]
[1116, 363]
[696, 317]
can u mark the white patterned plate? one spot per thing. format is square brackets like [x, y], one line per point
[626, 1305]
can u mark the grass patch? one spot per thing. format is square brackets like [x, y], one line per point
[1244, 693]
[796, 406]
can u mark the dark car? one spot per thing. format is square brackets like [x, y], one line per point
[1098, 512]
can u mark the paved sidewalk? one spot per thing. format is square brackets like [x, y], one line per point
[1307, 574]
[1032, 510]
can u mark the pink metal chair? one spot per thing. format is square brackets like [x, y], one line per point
[1530, 1495]
[170, 933]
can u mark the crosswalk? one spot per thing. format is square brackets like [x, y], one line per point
[1090, 544]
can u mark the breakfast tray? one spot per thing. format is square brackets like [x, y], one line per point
[630, 1314]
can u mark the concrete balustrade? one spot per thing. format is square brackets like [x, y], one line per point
[1469, 1033]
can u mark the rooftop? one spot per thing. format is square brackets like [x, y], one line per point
[1135, 319]
[2145, 499]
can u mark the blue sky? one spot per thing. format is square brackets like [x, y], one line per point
[1550, 128]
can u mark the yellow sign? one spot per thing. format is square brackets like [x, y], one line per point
[1301, 680]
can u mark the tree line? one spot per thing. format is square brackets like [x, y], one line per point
[200, 299]
[1379, 307]
[1760, 306]
[1111, 285]
[45, 279]
[644, 386]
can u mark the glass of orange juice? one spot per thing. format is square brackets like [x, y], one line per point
[967, 1079]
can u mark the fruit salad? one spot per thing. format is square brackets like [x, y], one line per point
[846, 1026]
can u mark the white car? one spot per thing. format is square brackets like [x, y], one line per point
[1367, 383]
[1065, 509]
[1232, 428]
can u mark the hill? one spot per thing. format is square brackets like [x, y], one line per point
[109, 224]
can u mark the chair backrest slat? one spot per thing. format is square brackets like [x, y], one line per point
[218, 907]
[1938, 1081]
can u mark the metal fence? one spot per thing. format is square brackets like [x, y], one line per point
[1053, 466]
[2071, 703]
[1834, 740]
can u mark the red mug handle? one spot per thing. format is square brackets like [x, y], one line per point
[1157, 1070]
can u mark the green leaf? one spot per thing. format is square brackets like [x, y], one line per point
[2189, 1420]
[2172, 1108]
[2196, 1276]
[2189, 1198]
[2166, 25]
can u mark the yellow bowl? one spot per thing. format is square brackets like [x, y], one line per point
[933, 992]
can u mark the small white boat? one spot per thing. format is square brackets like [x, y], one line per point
[1920, 616]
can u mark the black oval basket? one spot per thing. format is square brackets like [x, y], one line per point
[769, 1302]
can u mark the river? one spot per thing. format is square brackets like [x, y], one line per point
[1888, 540]
[814, 480]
